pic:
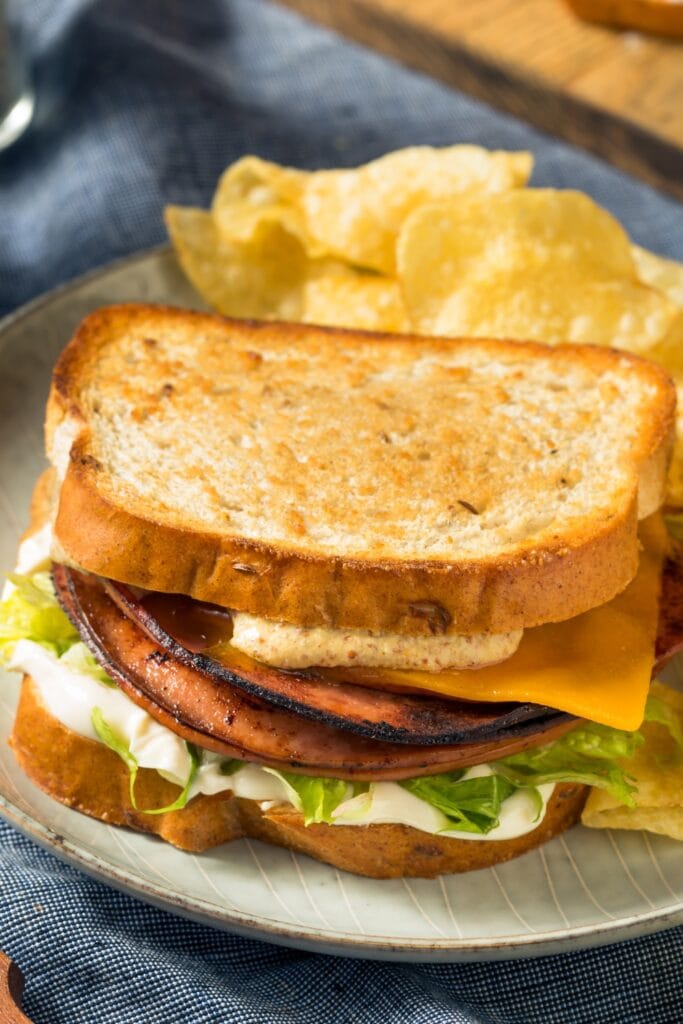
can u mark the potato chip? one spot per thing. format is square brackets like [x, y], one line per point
[674, 487]
[534, 264]
[254, 195]
[271, 277]
[657, 769]
[339, 296]
[263, 280]
[658, 272]
[667, 276]
[258, 182]
[356, 214]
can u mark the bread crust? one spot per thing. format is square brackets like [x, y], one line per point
[90, 778]
[563, 577]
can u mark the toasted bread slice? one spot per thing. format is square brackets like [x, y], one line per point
[90, 778]
[345, 479]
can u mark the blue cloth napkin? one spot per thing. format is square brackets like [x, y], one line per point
[143, 102]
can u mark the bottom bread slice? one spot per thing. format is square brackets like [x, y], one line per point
[92, 779]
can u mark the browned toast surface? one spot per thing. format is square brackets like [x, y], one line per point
[328, 477]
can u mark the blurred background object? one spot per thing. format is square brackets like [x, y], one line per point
[139, 105]
[16, 92]
[661, 17]
[617, 94]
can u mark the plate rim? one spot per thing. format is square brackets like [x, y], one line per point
[73, 284]
[381, 947]
[539, 943]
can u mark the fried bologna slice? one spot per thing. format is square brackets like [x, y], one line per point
[90, 778]
[368, 711]
[217, 715]
[328, 477]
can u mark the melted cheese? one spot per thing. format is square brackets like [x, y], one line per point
[596, 666]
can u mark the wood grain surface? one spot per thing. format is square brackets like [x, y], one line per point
[11, 990]
[616, 93]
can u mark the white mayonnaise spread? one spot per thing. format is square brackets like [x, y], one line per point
[387, 803]
[34, 550]
[33, 555]
[288, 646]
[61, 443]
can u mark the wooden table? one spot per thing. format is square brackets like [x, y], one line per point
[11, 988]
[618, 94]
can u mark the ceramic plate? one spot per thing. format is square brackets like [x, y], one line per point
[583, 889]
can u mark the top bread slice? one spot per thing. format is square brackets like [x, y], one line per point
[352, 480]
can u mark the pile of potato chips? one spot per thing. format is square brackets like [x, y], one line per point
[432, 241]
[320, 247]
[656, 770]
[447, 242]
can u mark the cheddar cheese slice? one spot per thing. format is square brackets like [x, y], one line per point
[596, 666]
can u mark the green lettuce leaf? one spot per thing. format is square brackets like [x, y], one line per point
[471, 805]
[112, 739]
[589, 754]
[315, 798]
[79, 658]
[31, 612]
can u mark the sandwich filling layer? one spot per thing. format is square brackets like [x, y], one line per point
[596, 666]
[99, 711]
[500, 800]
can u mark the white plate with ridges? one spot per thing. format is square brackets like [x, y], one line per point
[582, 889]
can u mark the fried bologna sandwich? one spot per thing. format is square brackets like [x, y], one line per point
[389, 601]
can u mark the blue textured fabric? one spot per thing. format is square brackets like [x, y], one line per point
[143, 102]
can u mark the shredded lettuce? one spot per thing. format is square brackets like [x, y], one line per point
[471, 805]
[79, 658]
[31, 612]
[316, 798]
[589, 754]
[112, 739]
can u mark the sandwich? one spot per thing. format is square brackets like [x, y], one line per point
[394, 602]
